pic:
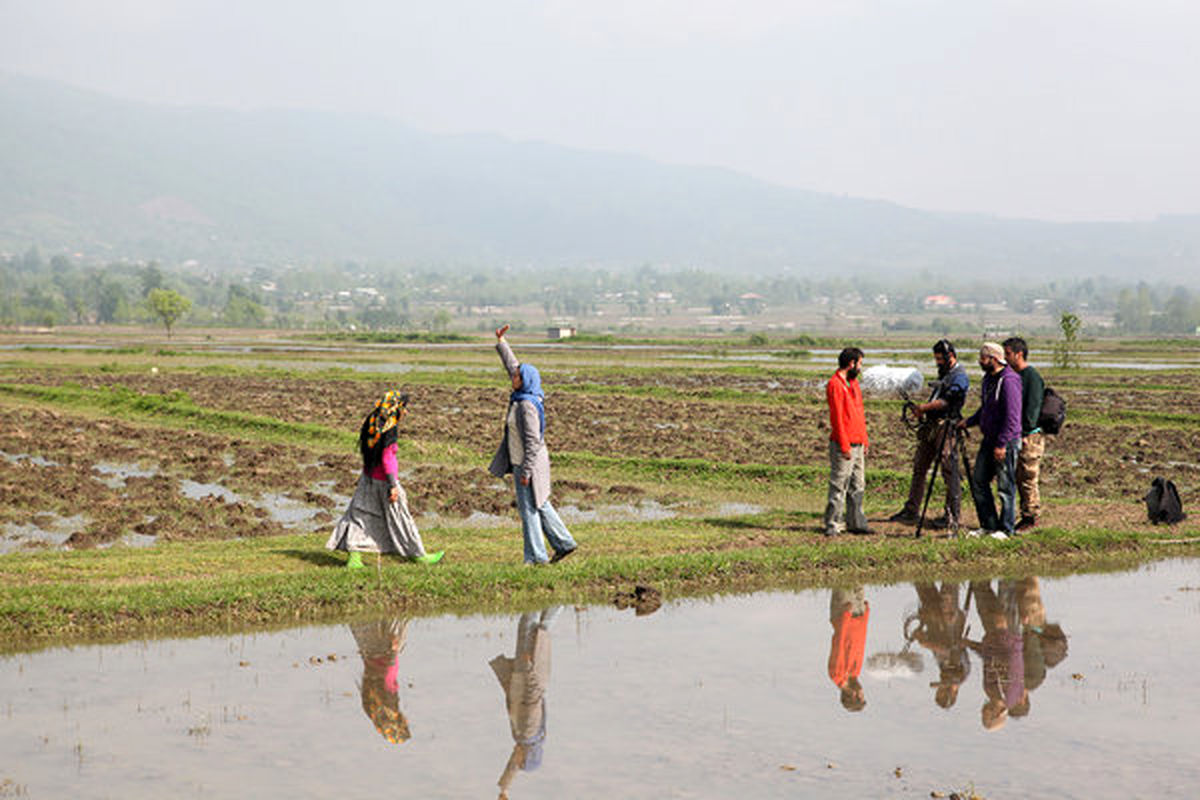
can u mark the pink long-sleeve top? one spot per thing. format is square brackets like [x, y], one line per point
[388, 467]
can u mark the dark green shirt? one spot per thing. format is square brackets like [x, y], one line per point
[1033, 388]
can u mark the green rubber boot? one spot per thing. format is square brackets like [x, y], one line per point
[430, 558]
[354, 561]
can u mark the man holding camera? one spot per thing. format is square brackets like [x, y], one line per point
[938, 416]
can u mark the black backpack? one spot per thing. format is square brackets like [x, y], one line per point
[1163, 503]
[1054, 412]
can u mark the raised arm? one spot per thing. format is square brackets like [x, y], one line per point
[506, 354]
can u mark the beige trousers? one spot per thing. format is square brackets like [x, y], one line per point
[1029, 467]
[847, 483]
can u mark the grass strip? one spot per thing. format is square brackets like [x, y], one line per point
[176, 407]
[1123, 417]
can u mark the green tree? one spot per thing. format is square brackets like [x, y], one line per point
[441, 321]
[1066, 350]
[243, 309]
[110, 300]
[151, 277]
[32, 260]
[168, 305]
[1180, 312]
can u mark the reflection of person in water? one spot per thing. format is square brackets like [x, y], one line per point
[524, 678]
[940, 629]
[1002, 653]
[1044, 644]
[380, 644]
[848, 613]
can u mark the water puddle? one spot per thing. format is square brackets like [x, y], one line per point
[45, 530]
[131, 539]
[1143, 365]
[37, 461]
[1066, 687]
[113, 474]
[738, 509]
[643, 511]
[476, 519]
[288, 512]
[195, 490]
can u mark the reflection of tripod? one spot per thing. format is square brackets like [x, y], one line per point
[948, 428]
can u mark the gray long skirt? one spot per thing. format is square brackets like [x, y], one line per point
[373, 525]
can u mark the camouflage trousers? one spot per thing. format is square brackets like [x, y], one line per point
[1029, 468]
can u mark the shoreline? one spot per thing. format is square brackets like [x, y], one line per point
[194, 588]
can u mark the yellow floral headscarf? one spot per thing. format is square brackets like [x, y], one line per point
[383, 708]
[385, 416]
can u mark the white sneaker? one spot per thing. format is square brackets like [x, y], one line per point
[976, 533]
[998, 535]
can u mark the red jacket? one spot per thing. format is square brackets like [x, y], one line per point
[847, 420]
[849, 643]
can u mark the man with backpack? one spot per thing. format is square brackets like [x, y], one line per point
[1033, 439]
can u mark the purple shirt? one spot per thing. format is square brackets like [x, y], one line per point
[1003, 654]
[999, 418]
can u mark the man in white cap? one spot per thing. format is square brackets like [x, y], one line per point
[999, 420]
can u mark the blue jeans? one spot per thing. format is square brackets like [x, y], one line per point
[1005, 473]
[538, 521]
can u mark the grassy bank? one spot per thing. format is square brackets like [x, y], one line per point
[196, 587]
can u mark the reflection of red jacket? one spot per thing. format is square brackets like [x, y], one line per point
[849, 642]
[847, 420]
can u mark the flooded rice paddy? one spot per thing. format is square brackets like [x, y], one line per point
[1082, 686]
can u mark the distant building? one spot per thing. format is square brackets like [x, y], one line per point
[939, 301]
[560, 332]
[751, 303]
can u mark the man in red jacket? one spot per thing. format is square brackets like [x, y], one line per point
[847, 447]
[849, 612]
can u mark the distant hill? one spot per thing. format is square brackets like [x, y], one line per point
[115, 178]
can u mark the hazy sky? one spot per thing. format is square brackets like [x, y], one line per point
[1073, 109]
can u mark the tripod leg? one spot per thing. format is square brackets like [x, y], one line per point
[937, 464]
[962, 445]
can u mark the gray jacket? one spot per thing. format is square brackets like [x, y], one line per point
[536, 463]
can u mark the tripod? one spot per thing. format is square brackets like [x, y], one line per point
[948, 427]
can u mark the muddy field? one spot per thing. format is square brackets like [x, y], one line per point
[125, 478]
[1090, 458]
[154, 481]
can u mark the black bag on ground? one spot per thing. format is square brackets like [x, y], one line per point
[1054, 412]
[1163, 503]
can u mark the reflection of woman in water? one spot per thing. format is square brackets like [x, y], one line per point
[524, 678]
[940, 630]
[380, 644]
[377, 519]
[848, 613]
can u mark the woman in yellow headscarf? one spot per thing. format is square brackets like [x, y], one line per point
[377, 519]
[380, 644]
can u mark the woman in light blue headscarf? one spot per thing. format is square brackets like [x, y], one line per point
[523, 453]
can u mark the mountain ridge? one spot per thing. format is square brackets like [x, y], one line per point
[120, 178]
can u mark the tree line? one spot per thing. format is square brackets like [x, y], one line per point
[60, 290]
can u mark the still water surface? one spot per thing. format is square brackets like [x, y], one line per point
[969, 684]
